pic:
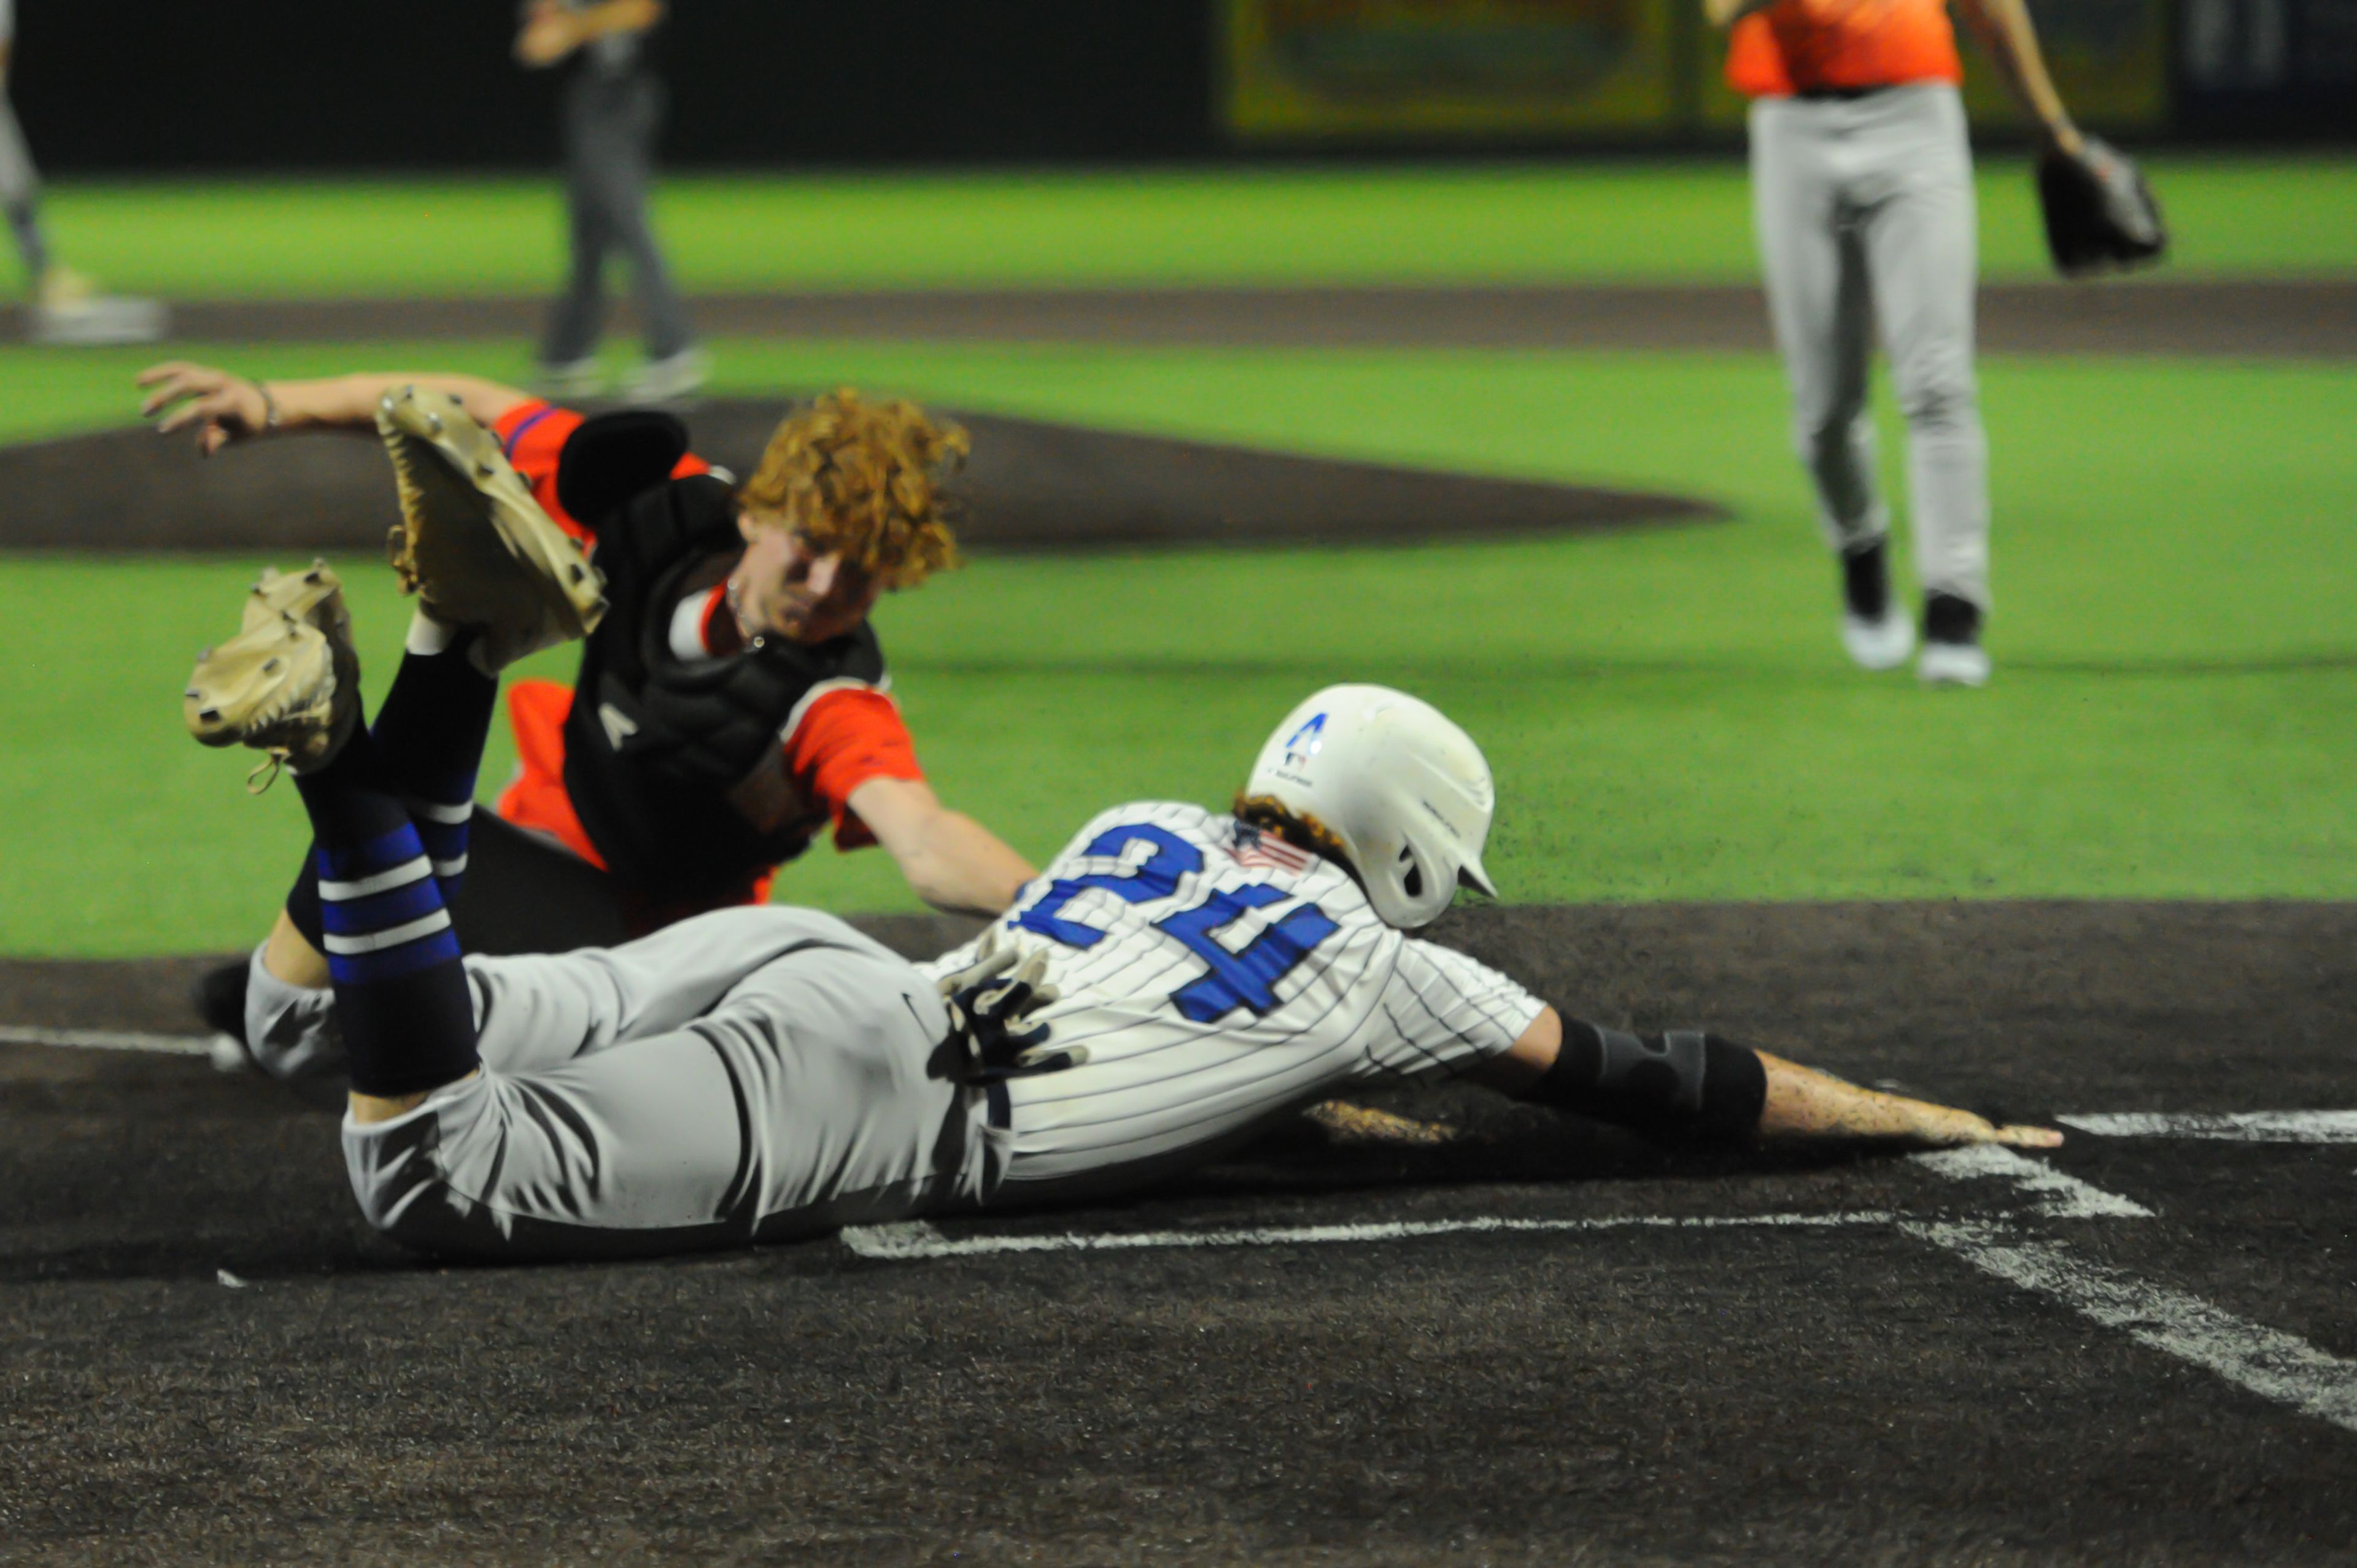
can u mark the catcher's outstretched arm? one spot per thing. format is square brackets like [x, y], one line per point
[951, 862]
[2006, 31]
[224, 408]
[1673, 1090]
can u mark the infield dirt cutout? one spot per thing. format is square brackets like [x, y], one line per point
[1029, 486]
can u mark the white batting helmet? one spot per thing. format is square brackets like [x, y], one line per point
[1406, 792]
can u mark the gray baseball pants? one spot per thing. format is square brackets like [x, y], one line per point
[753, 1074]
[609, 133]
[20, 194]
[1864, 212]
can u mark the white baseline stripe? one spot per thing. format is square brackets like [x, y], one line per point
[920, 1239]
[2240, 1127]
[2267, 1361]
[108, 1040]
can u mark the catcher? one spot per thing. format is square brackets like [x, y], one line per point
[732, 702]
[1862, 194]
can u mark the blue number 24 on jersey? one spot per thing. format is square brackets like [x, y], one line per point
[1247, 978]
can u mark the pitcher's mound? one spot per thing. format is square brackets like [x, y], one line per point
[1029, 486]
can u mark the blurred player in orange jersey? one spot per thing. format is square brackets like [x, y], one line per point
[1862, 196]
[733, 706]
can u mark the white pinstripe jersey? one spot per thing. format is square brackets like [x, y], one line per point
[1219, 979]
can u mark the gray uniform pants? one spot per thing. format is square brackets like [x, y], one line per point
[610, 132]
[1864, 209]
[752, 1074]
[20, 194]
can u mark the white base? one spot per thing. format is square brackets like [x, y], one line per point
[100, 321]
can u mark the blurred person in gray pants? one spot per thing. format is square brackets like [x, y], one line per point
[613, 106]
[67, 306]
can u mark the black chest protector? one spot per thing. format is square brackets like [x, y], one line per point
[653, 746]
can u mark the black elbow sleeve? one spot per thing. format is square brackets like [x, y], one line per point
[1684, 1084]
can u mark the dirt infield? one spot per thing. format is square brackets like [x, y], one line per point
[2302, 319]
[1675, 1358]
[1030, 486]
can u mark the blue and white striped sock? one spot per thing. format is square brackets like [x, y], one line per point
[382, 909]
[403, 1002]
[442, 830]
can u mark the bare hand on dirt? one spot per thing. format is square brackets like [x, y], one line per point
[1804, 1102]
[224, 408]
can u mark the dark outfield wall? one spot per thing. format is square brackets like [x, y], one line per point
[126, 85]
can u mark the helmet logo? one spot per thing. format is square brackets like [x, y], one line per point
[1303, 743]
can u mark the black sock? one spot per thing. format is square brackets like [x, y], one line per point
[25, 222]
[430, 730]
[1947, 618]
[402, 998]
[1865, 580]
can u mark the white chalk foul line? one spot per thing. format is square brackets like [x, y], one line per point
[108, 1040]
[2060, 1194]
[2238, 1127]
[920, 1239]
[2267, 1361]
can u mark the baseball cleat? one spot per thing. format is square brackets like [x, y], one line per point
[1953, 664]
[1874, 634]
[306, 595]
[1882, 644]
[1952, 655]
[568, 381]
[288, 683]
[669, 378]
[472, 543]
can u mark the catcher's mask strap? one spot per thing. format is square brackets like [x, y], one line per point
[613, 456]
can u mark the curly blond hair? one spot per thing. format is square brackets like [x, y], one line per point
[865, 479]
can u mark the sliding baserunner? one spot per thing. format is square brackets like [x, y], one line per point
[1178, 980]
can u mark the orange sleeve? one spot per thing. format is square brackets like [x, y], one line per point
[533, 435]
[846, 737]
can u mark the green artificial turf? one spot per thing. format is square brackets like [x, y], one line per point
[1667, 711]
[1672, 222]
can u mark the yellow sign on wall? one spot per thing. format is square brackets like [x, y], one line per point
[1415, 68]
